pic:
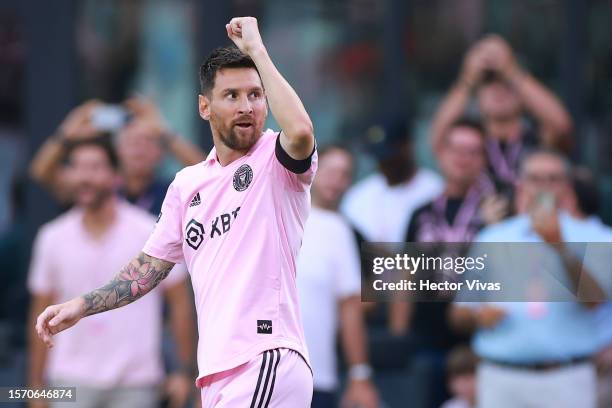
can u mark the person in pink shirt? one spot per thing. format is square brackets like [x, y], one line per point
[236, 220]
[115, 359]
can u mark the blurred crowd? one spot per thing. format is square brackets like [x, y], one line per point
[503, 173]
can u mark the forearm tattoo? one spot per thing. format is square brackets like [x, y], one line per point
[135, 280]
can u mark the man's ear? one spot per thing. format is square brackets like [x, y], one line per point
[204, 106]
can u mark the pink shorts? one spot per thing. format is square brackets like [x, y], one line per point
[275, 378]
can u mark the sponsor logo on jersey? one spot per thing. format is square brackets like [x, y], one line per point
[195, 200]
[194, 234]
[264, 326]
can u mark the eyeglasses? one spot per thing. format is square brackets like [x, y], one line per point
[466, 151]
[545, 178]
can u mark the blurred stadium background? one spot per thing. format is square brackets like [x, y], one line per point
[351, 61]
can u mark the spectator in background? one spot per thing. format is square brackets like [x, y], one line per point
[142, 139]
[462, 209]
[455, 216]
[380, 206]
[126, 367]
[328, 281]
[141, 142]
[584, 200]
[13, 297]
[141, 145]
[538, 353]
[584, 204]
[603, 358]
[461, 371]
[506, 94]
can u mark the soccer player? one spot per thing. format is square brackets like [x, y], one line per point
[236, 219]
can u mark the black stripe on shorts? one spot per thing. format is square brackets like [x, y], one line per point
[267, 373]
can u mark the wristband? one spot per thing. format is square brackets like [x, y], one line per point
[360, 372]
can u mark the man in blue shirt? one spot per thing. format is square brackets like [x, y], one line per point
[537, 354]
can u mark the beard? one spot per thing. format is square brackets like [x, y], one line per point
[236, 137]
[91, 198]
[242, 143]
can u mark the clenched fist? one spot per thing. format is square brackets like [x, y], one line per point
[243, 31]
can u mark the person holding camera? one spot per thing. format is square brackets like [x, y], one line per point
[507, 95]
[142, 138]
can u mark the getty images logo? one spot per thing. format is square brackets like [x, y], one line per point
[264, 326]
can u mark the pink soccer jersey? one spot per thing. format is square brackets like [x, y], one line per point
[239, 229]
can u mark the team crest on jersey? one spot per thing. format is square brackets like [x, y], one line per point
[243, 177]
[194, 234]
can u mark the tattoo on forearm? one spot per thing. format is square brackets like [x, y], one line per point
[135, 280]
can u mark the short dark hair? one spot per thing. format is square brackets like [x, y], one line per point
[546, 151]
[326, 148]
[466, 122]
[219, 58]
[104, 141]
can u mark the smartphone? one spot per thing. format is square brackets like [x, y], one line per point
[546, 201]
[110, 118]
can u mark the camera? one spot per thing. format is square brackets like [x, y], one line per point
[110, 118]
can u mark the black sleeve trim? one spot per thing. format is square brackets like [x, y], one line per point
[291, 164]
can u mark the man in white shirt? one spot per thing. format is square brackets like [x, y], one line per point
[328, 280]
[380, 205]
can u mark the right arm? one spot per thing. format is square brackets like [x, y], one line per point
[135, 280]
[45, 167]
[45, 164]
[455, 102]
[180, 148]
[451, 109]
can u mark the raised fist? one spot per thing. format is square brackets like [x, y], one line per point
[243, 31]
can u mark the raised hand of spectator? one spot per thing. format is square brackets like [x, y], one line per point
[489, 316]
[77, 123]
[494, 208]
[360, 393]
[474, 64]
[498, 56]
[545, 223]
[143, 109]
[45, 167]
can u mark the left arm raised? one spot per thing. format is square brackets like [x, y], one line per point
[297, 137]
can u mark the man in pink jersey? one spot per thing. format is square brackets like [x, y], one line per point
[237, 220]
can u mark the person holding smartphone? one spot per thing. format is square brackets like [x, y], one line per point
[538, 352]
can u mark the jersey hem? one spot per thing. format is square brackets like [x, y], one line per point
[247, 356]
